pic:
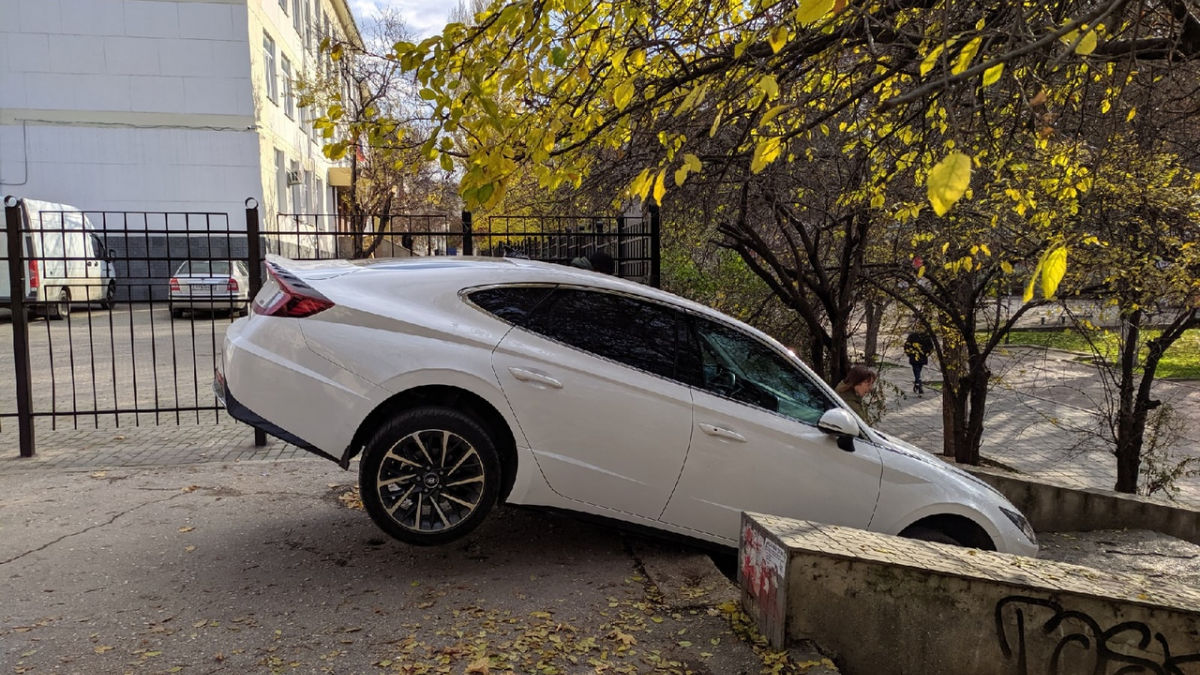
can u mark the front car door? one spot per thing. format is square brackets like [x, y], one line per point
[590, 376]
[756, 446]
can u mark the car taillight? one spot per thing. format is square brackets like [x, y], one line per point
[232, 286]
[174, 284]
[290, 299]
[34, 280]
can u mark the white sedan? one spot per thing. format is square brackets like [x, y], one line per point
[466, 382]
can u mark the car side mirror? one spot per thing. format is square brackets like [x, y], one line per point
[842, 424]
[112, 254]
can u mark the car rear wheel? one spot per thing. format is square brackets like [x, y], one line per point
[110, 296]
[429, 475]
[61, 308]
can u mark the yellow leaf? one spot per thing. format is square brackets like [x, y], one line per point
[966, 56]
[931, 58]
[765, 152]
[623, 94]
[778, 38]
[681, 175]
[986, 251]
[480, 666]
[660, 186]
[948, 181]
[992, 75]
[1105, 106]
[1054, 270]
[812, 11]
[186, 529]
[769, 85]
[1006, 266]
[692, 162]
[1088, 44]
[1132, 113]
[772, 114]
[641, 185]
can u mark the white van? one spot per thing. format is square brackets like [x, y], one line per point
[66, 263]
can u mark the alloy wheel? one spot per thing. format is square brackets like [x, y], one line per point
[431, 480]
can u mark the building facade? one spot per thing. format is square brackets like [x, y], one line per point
[164, 105]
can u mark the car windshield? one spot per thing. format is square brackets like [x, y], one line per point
[216, 268]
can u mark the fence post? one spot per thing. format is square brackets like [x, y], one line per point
[254, 254]
[620, 245]
[468, 244]
[20, 323]
[655, 246]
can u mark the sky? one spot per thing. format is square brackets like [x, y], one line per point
[424, 17]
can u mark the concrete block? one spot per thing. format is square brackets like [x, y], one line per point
[902, 606]
[188, 58]
[157, 94]
[206, 21]
[77, 54]
[214, 95]
[151, 19]
[133, 56]
[27, 52]
[40, 16]
[92, 17]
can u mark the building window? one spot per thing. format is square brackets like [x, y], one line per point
[269, 67]
[297, 189]
[319, 197]
[308, 26]
[283, 6]
[289, 95]
[280, 182]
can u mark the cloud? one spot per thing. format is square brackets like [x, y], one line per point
[423, 17]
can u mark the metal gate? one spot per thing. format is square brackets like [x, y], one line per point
[118, 317]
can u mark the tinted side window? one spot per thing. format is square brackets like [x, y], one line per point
[511, 303]
[626, 330]
[737, 366]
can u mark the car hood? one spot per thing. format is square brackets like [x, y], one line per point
[951, 472]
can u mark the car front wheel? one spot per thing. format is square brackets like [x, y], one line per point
[429, 475]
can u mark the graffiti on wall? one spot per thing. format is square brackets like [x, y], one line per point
[761, 573]
[1040, 635]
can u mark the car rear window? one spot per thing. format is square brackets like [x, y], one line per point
[215, 267]
[511, 303]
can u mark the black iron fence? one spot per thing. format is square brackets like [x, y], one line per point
[118, 317]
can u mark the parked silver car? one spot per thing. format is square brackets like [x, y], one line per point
[210, 286]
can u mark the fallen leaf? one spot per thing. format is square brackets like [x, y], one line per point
[100, 649]
[186, 529]
[99, 474]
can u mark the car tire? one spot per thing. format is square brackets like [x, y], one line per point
[930, 534]
[429, 475]
[110, 296]
[176, 313]
[61, 308]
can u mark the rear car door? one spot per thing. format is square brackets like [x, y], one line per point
[756, 446]
[590, 376]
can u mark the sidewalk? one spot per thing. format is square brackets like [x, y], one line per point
[1042, 418]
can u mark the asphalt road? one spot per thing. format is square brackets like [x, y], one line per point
[262, 567]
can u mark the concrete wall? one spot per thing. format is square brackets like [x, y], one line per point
[128, 104]
[1054, 508]
[889, 605]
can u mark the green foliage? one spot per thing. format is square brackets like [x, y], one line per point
[1181, 360]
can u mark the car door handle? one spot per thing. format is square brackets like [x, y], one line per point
[536, 378]
[721, 432]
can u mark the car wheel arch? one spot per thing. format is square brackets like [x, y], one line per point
[452, 397]
[960, 528]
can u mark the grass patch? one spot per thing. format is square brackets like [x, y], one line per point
[1182, 360]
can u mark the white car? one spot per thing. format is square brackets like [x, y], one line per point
[463, 382]
[210, 286]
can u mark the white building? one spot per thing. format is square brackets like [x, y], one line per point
[164, 105]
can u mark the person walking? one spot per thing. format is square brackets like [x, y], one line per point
[918, 346]
[858, 383]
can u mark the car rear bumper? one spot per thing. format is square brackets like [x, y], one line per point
[244, 414]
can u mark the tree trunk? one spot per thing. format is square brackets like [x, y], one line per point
[874, 309]
[975, 395]
[1129, 437]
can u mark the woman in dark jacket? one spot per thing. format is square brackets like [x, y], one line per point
[855, 386]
